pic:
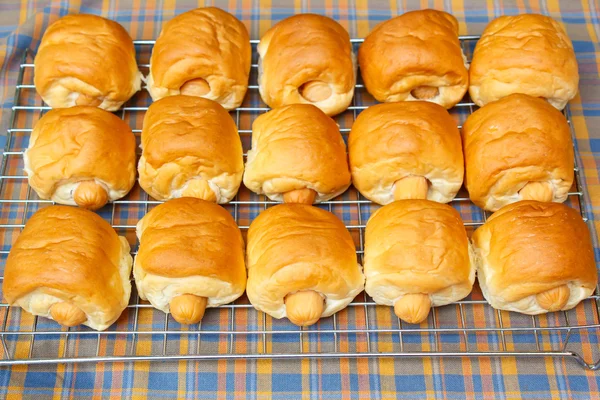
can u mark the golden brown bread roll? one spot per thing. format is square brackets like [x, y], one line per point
[517, 148]
[535, 257]
[417, 256]
[307, 59]
[203, 52]
[301, 263]
[190, 147]
[297, 156]
[86, 60]
[415, 56]
[69, 265]
[81, 156]
[528, 53]
[191, 257]
[406, 150]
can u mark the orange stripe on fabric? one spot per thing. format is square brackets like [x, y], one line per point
[362, 25]
[105, 6]
[23, 11]
[458, 10]
[590, 27]
[490, 8]
[266, 20]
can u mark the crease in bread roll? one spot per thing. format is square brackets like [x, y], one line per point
[67, 314]
[554, 299]
[85, 100]
[195, 87]
[304, 308]
[413, 307]
[91, 195]
[303, 196]
[411, 187]
[540, 191]
[86, 60]
[188, 308]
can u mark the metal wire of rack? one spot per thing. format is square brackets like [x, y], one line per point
[468, 328]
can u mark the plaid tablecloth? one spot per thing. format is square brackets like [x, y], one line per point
[22, 24]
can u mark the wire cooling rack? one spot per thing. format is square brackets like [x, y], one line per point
[468, 328]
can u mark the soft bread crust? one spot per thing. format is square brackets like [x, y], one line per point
[72, 255]
[189, 246]
[415, 49]
[417, 246]
[206, 43]
[89, 56]
[306, 48]
[392, 141]
[187, 139]
[298, 247]
[71, 145]
[527, 53]
[297, 147]
[514, 141]
[529, 247]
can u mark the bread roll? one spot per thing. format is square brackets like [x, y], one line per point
[517, 148]
[535, 257]
[191, 257]
[86, 60]
[190, 147]
[417, 256]
[307, 59]
[69, 265]
[528, 53]
[81, 156]
[301, 264]
[415, 56]
[406, 150]
[297, 156]
[203, 52]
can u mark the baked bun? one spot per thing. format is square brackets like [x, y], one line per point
[417, 256]
[69, 265]
[298, 156]
[535, 257]
[415, 56]
[190, 148]
[307, 59]
[86, 60]
[81, 156]
[517, 148]
[406, 150]
[528, 53]
[191, 257]
[203, 52]
[301, 264]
